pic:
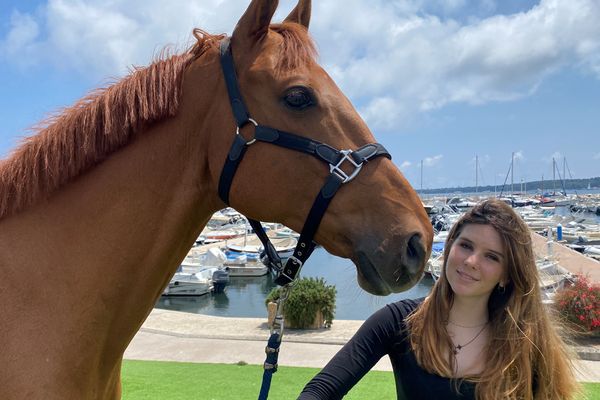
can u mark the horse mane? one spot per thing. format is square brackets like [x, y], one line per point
[77, 138]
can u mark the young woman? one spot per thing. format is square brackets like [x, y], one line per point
[482, 333]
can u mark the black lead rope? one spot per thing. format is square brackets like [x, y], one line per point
[285, 275]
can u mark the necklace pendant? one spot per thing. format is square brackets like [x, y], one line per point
[457, 349]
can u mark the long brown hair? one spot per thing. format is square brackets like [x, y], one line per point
[525, 356]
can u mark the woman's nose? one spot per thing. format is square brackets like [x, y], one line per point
[472, 261]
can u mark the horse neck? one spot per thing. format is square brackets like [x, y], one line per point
[103, 247]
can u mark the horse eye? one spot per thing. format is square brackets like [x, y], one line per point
[298, 98]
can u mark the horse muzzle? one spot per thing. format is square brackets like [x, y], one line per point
[384, 271]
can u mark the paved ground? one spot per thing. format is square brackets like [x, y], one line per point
[177, 336]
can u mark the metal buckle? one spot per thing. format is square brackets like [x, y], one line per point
[278, 322]
[268, 366]
[287, 275]
[294, 260]
[237, 130]
[340, 172]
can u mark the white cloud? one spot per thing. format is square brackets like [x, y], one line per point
[405, 165]
[431, 161]
[394, 59]
[20, 43]
[423, 62]
[103, 39]
[519, 156]
[557, 155]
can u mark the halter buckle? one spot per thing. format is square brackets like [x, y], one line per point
[335, 169]
[289, 272]
[237, 130]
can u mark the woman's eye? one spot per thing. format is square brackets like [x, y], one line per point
[465, 245]
[493, 257]
[298, 98]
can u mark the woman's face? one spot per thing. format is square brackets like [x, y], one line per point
[476, 262]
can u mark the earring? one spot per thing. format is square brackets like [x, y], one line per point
[501, 289]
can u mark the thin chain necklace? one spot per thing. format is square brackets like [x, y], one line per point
[459, 347]
[464, 326]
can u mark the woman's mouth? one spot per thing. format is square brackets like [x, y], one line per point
[466, 276]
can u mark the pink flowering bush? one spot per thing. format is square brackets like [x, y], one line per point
[580, 304]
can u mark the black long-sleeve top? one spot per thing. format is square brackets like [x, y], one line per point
[384, 333]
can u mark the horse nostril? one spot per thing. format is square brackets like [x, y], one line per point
[415, 253]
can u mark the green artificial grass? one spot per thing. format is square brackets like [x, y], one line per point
[151, 380]
[592, 390]
[157, 380]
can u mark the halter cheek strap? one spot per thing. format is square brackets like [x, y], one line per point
[285, 274]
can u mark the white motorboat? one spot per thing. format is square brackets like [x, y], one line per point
[208, 265]
[248, 269]
[252, 245]
[286, 232]
[461, 202]
[219, 276]
[222, 234]
[188, 284]
[592, 251]
[199, 274]
[245, 265]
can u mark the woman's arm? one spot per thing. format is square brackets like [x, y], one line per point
[356, 358]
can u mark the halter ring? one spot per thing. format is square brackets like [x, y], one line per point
[237, 130]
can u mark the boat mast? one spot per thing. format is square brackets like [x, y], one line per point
[421, 177]
[505, 179]
[512, 183]
[564, 177]
[476, 176]
[553, 176]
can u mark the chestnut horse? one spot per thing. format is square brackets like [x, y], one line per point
[99, 207]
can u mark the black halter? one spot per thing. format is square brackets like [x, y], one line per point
[333, 157]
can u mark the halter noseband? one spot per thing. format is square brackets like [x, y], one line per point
[333, 157]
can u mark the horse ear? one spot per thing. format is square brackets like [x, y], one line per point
[254, 24]
[301, 13]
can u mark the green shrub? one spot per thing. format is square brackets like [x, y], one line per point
[306, 298]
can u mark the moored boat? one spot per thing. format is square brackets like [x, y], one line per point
[188, 284]
[284, 246]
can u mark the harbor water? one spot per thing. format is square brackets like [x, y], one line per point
[245, 296]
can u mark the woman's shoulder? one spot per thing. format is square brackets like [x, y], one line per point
[406, 306]
[394, 314]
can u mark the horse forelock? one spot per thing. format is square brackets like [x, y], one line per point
[297, 48]
[81, 136]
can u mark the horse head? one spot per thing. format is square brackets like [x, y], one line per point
[376, 220]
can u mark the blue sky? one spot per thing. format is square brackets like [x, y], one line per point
[441, 81]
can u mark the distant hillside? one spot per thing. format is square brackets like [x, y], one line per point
[571, 185]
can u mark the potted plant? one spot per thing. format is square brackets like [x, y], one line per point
[310, 304]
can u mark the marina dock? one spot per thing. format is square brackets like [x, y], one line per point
[574, 262]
